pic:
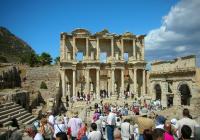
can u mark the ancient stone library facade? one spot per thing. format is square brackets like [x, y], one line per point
[102, 62]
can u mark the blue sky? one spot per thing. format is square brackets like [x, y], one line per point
[40, 22]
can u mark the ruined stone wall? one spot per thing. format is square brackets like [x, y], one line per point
[173, 65]
[47, 74]
[9, 76]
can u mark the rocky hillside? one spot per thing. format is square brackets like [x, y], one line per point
[12, 48]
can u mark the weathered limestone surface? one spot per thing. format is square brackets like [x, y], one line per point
[91, 74]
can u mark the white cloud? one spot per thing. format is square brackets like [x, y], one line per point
[179, 33]
[180, 49]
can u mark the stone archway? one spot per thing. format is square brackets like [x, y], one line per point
[185, 94]
[158, 92]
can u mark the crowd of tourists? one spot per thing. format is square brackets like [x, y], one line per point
[114, 122]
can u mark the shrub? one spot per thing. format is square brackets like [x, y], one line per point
[43, 85]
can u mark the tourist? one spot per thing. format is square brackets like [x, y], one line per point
[126, 129]
[160, 121]
[147, 134]
[94, 134]
[99, 124]
[144, 123]
[117, 134]
[61, 136]
[82, 132]
[158, 134]
[33, 133]
[185, 121]
[74, 124]
[65, 120]
[14, 122]
[118, 122]
[168, 132]
[45, 129]
[59, 126]
[111, 122]
[186, 132]
[51, 118]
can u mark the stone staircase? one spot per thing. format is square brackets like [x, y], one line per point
[11, 109]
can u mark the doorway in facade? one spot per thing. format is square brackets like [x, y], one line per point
[185, 94]
[170, 100]
[158, 92]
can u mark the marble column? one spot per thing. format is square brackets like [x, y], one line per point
[87, 80]
[74, 48]
[74, 82]
[122, 49]
[135, 81]
[122, 82]
[112, 48]
[97, 57]
[87, 47]
[113, 80]
[97, 83]
[144, 82]
[134, 49]
[63, 84]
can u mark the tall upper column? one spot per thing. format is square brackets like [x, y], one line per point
[97, 57]
[112, 48]
[122, 49]
[113, 80]
[63, 83]
[87, 47]
[135, 81]
[87, 80]
[64, 46]
[134, 49]
[143, 49]
[144, 81]
[74, 82]
[97, 83]
[122, 82]
[74, 47]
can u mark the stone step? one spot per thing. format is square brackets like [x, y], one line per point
[23, 116]
[20, 121]
[6, 104]
[8, 107]
[11, 113]
[15, 116]
[29, 117]
[30, 121]
[10, 110]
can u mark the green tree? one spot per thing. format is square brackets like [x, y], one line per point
[45, 59]
[57, 60]
[34, 59]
